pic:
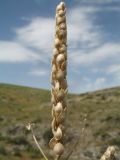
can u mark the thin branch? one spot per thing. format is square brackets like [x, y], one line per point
[29, 127]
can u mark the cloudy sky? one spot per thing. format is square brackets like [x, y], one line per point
[27, 35]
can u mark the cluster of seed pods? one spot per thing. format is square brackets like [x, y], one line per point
[59, 82]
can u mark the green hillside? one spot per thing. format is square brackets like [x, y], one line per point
[21, 105]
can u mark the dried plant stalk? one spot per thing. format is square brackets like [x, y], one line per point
[59, 82]
[109, 154]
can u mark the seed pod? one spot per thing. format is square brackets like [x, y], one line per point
[60, 95]
[58, 149]
[60, 20]
[60, 58]
[58, 108]
[57, 42]
[61, 118]
[62, 49]
[62, 4]
[64, 84]
[62, 26]
[61, 33]
[60, 12]
[54, 68]
[60, 75]
[59, 7]
[52, 143]
[55, 52]
[63, 66]
[58, 134]
[53, 100]
[57, 85]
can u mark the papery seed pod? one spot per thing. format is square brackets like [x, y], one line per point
[62, 49]
[60, 95]
[57, 42]
[60, 75]
[60, 118]
[53, 76]
[58, 149]
[58, 108]
[52, 143]
[55, 52]
[60, 12]
[64, 84]
[58, 134]
[59, 7]
[53, 100]
[62, 26]
[57, 85]
[62, 5]
[61, 33]
[60, 58]
[54, 69]
[63, 66]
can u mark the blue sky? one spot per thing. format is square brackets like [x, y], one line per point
[27, 36]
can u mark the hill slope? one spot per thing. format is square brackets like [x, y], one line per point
[97, 112]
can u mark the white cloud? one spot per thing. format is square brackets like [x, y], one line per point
[82, 29]
[102, 53]
[38, 34]
[38, 72]
[14, 52]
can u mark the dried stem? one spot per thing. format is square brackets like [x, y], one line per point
[29, 127]
[109, 154]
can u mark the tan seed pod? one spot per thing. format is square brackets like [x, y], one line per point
[60, 20]
[57, 42]
[53, 68]
[60, 58]
[58, 134]
[63, 66]
[53, 124]
[61, 33]
[62, 49]
[53, 100]
[58, 149]
[61, 12]
[62, 4]
[62, 26]
[55, 52]
[52, 143]
[64, 84]
[60, 95]
[53, 76]
[58, 108]
[60, 75]
[57, 85]
[60, 119]
[59, 7]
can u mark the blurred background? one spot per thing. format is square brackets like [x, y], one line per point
[27, 30]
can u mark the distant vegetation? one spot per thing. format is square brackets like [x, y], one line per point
[20, 105]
